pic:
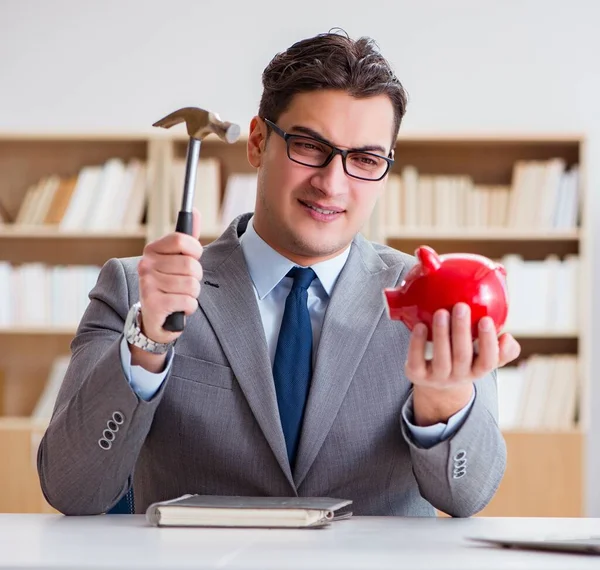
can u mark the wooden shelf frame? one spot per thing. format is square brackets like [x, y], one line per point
[556, 458]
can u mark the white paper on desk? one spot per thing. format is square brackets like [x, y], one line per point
[555, 543]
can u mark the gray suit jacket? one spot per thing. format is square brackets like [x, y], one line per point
[213, 427]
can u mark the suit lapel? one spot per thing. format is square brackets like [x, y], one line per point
[229, 303]
[355, 307]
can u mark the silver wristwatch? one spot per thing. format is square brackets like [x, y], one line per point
[135, 336]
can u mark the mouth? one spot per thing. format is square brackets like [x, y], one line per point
[322, 211]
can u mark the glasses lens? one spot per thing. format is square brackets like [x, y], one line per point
[308, 151]
[365, 165]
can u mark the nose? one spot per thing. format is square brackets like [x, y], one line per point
[331, 180]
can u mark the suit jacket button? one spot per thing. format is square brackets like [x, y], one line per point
[104, 444]
[460, 454]
[119, 418]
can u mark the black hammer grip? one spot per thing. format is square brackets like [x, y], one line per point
[175, 322]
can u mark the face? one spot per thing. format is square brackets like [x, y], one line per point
[311, 214]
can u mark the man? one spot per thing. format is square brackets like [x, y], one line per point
[285, 381]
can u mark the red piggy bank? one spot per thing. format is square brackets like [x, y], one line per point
[441, 281]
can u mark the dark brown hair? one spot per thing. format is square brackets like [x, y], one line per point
[330, 61]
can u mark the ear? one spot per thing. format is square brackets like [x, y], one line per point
[257, 140]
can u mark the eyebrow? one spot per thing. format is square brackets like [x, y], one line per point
[318, 136]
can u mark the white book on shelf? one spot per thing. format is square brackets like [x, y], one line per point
[207, 192]
[549, 191]
[425, 202]
[510, 387]
[7, 297]
[566, 215]
[45, 405]
[570, 397]
[476, 207]
[106, 196]
[565, 311]
[138, 197]
[537, 393]
[530, 291]
[393, 214]
[440, 199]
[560, 404]
[498, 197]
[518, 189]
[410, 192]
[122, 196]
[240, 197]
[25, 214]
[82, 199]
[44, 199]
[208, 195]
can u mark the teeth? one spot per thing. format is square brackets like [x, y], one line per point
[320, 210]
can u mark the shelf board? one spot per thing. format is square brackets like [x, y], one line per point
[53, 247]
[493, 244]
[22, 423]
[475, 234]
[8, 231]
[541, 335]
[542, 432]
[37, 331]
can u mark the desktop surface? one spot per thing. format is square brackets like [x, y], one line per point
[365, 543]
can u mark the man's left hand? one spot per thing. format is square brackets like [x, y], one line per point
[444, 385]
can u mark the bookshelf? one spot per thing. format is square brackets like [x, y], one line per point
[491, 195]
[545, 464]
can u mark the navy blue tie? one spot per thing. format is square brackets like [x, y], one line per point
[292, 367]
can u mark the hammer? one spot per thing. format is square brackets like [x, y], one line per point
[199, 123]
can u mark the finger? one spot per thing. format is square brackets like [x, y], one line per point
[172, 284]
[178, 265]
[462, 341]
[161, 305]
[416, 365]
[175, 242]
[441, 365]
[509, 349]
[487, 357]
[196, 223]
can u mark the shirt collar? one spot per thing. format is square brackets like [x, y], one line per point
[267, 267]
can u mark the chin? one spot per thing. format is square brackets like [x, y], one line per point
[312, 245]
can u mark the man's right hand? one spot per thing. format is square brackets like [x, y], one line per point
[169, 280]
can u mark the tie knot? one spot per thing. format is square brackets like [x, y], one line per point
[302, 276]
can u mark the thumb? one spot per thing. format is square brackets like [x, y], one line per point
[196, 223]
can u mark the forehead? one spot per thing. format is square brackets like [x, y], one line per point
[346, 121]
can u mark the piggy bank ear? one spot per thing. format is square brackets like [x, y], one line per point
[428, 258]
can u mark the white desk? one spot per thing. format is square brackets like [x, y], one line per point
[121, 541]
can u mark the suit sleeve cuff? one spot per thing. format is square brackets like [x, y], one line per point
[429, 436]
[145, 384]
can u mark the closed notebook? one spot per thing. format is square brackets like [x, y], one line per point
[254, 512]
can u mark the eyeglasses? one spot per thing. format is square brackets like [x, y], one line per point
[310, 151]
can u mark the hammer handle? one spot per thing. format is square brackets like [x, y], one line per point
[175, 322]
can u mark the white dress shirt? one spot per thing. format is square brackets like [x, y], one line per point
[268, 270]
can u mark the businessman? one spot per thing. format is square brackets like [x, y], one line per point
[289, 378]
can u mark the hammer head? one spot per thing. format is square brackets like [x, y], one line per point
[200, 123]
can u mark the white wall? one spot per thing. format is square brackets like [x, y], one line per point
[468, 65]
